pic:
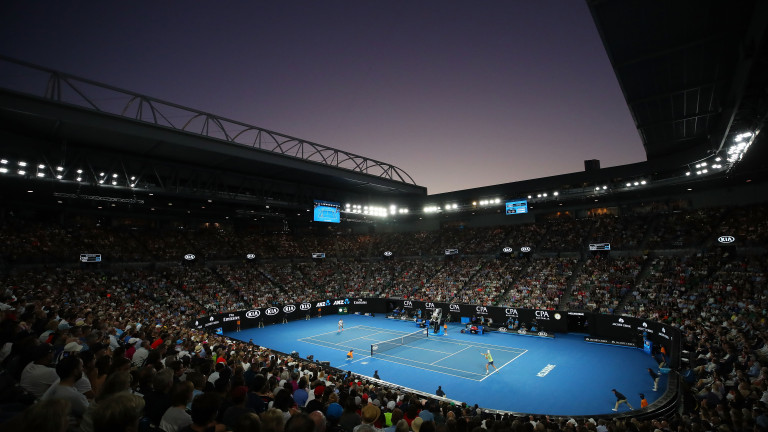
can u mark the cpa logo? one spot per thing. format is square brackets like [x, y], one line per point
[289, 308]
[455, 308]
[510, 312]
[272, 311]
[407, 303]
[525, 249]
[542, 314]
[726, 239]
[507, 250]
[189, 257]
[305, 306]
[429, 305]
[481, 309]
[253, 313]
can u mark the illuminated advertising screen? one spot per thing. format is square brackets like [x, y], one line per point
[327, 211]
[516, 207]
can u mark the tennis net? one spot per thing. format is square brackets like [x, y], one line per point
[387, 345]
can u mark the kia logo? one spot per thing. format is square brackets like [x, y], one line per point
[305, 306]
[253, 313]
[726, 239]
[189, 257]
[289, 308]
[387, 253]
[250, 256]
[507, 250]
[525, 249]
[272, 311]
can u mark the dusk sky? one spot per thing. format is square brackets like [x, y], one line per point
[459, 94]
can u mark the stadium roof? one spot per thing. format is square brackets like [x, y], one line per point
[81, 124]
[693, 72]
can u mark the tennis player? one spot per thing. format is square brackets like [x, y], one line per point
[341, 325]
[488, 357]
[350, 354]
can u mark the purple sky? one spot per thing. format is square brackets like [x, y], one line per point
[459, 94]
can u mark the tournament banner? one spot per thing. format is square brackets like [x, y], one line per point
[547, 321]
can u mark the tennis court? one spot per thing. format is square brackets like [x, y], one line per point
[560, 376]
[436, 353]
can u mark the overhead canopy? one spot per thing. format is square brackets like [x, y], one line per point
[693, 72]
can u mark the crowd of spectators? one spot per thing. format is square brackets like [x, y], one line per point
[108, 349]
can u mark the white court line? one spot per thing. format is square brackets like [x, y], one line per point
[420, 362]
[502, 366]
[449, 355]
[428, 369]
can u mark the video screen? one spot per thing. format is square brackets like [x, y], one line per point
[327, 211]
[516, 207]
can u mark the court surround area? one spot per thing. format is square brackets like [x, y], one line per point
[555, 376]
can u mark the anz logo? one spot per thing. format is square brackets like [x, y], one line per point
[341, 302]
[289, 308]
[272, 311]
[305, 306]
[253, 313]
[455, 308]
[726, 239]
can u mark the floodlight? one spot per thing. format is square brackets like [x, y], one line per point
[41, 166]
[41, 174]
[79, 179]
[597, 188]
[3, 170]
[605, 187]
[21, 172]
[79, 171]
[497, 201]
[643, 182]
[22, 164]
[688, 173]
[114, 182]
[4, 161]
[102, 174]
[59, 168]
[544, 194]
[114, 175]
[556, 193]
[101, 181]
[629, 184]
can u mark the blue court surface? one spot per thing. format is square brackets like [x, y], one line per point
[560, 376]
